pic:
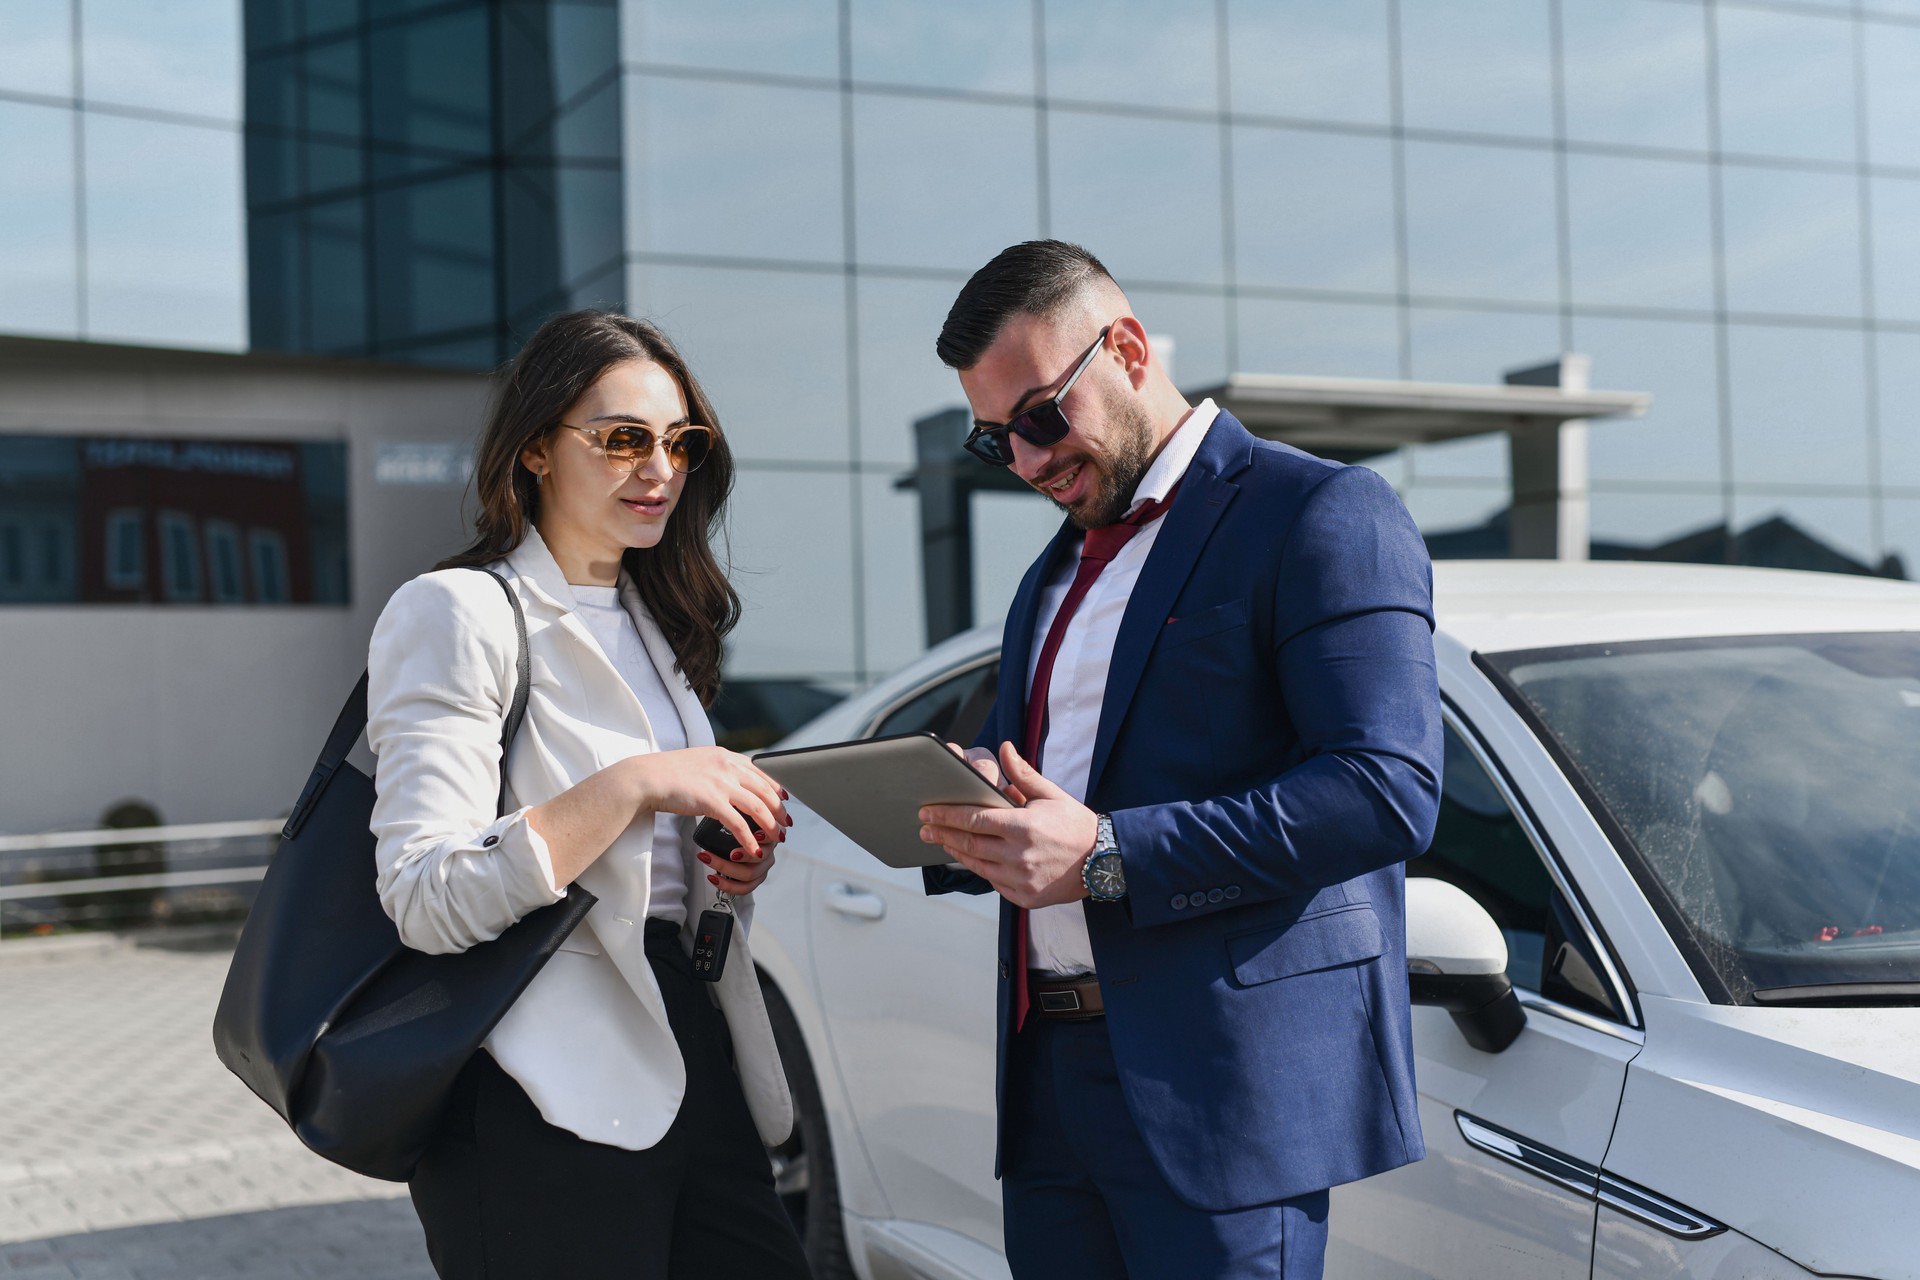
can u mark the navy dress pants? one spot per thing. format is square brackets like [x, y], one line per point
[1083, 1197]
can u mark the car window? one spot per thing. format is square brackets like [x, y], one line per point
[955, 708]
[1481, 847]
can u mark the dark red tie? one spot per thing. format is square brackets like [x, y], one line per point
[1096, 553]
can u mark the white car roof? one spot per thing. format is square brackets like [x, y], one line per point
[1495, 605]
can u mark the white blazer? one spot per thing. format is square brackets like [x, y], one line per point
[588, 1039]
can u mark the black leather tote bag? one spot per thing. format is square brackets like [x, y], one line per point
[353, 1037]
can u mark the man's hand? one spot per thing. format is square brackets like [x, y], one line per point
[1032, 855]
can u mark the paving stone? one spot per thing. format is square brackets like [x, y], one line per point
[127, 1152]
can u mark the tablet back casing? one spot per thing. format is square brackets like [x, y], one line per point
[873, 791]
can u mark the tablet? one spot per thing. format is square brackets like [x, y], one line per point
[872, 791]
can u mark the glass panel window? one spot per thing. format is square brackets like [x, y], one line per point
[1158, 53]
[1314, 210]
[954, 709]
[792, 539]
[224, 572]
[778, 396]
[1641, 231]
[434, 260]
[179, 557]
[39, 268]
[1480, 222]
[1673, 360]
[901, 380]
[1896, 248]
[84, 505]
[1899, 378]
[269, 554]
[431, 92]
[793, 37]
[1330, 339]
[1798, 405]
[183, 55]
[1893, 92]
[1166, 229]
[1313, 59]
[1485, 67]
[166, 260]
[126, 547]
[1814, 534]
[1481, 848]
[1635, 72]
[1786, 83]
[942, 184]
[1792, 241]
[706, 157]
[985, 46]
[36, 47]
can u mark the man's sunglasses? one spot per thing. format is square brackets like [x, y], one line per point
[628, 445]
[1042, 425]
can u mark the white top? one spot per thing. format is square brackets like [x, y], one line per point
[606, 617]
[1057, 936]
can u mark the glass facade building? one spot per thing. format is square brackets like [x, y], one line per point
[1716, 201]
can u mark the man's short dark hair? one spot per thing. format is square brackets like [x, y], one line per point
[1036, 278]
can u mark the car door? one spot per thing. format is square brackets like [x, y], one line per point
[1510, 1136]
[907, 984]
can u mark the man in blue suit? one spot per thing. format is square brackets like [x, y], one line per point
[1217, 698]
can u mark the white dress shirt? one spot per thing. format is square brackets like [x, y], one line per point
[606, 617]
[1057, 936]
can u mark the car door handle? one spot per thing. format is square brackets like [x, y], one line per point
[849, 901]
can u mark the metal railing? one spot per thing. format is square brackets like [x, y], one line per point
[98, 878]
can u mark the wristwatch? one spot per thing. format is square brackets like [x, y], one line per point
[1102, 873]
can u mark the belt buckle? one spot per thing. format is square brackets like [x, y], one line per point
[1059, 1001]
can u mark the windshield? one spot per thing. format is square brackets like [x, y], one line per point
[1767, 788]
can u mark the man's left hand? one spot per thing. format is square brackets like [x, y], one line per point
[1032, 855]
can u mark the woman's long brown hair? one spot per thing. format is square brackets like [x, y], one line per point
[680, 580]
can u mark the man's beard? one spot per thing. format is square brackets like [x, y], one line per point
[1119, 465]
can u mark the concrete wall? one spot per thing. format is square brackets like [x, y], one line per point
[209, 712]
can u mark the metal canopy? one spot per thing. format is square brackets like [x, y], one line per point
[1353, 418]
[1543, 411]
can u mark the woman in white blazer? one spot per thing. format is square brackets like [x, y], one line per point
[614, 1122]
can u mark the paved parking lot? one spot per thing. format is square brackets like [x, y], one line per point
[126, 1150]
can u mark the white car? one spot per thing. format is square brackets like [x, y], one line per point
[1689, 800]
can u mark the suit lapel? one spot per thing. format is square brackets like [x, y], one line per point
[1204, 495]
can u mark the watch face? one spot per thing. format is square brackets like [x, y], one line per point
[1104, 878]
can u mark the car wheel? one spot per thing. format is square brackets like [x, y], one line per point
[803, 1172]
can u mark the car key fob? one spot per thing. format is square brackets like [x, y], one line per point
[710, 942]
[714, 838]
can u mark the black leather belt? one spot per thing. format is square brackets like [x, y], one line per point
[1064, 999]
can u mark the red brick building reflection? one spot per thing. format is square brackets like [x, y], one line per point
[193, 522]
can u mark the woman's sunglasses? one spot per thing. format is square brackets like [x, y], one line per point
[1042, 425]
[628, 445]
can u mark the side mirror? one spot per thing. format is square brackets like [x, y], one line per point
[1457, 959]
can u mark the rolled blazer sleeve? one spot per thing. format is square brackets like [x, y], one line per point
[440, 671]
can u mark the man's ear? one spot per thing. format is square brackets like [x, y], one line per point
[1130, 343]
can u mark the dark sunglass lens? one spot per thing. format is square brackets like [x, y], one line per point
[689, 450]
[1042, 425]
[991, 446]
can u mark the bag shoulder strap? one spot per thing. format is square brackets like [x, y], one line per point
[523, 677]
[352, 722]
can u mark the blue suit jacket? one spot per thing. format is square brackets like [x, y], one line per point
[1269, 748]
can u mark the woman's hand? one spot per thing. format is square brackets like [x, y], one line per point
[745, 872]
[712, 782]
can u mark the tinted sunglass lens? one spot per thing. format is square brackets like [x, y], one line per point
[1041, 425]
[991, 446]
[629, 446]
[689, 450]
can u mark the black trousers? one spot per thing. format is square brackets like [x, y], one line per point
[503, 1195]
